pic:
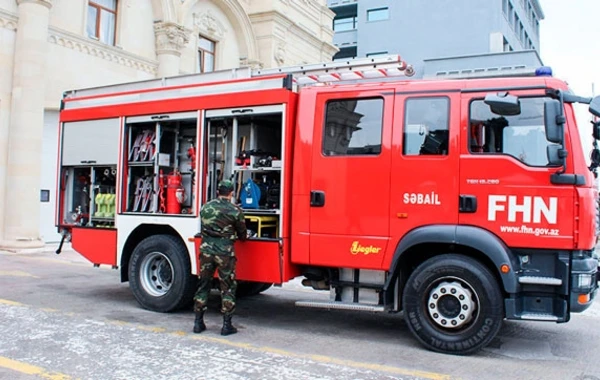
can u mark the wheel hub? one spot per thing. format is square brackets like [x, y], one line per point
[156, 274]
[451, 305]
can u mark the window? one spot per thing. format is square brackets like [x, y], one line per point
[378, 14]
[345, 52]
[505, 7]
[506, 45]
[344, 24]
[426, 126]
[521, 33]
[353, 127]
[377, 54]
[101, 21]
[522, 136]
[206, 55]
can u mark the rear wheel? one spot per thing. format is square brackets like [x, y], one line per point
[453, 304]
[160, 274]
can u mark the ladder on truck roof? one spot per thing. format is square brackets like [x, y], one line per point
[336, 71]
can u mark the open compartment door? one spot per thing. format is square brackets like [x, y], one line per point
[98, 245]
[257, 260]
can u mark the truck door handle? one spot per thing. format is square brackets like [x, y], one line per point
[317, 198]
[467, 203]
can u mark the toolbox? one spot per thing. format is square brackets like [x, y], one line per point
[265, 226]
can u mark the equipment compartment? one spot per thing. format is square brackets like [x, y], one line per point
[246, 146]
[89, 195]
[161, 164]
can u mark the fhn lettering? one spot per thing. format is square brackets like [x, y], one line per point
[529, 208]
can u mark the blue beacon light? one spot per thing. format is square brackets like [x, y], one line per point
[543, 71]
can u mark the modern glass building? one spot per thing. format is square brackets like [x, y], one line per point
[441, 37]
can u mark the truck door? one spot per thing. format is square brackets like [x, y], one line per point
[350, 183]
[506, 175]
[424, 171]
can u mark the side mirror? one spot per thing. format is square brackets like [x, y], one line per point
[595, 106]
[596, 130]
[553, 120]
[595, 158]
[503, 104]
[555, 154]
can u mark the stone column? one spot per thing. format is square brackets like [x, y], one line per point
[22, 188]
[170, 39]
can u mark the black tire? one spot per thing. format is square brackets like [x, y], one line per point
[251, 288]
[160, 274]
[453, 304]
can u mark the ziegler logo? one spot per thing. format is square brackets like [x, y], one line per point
[356, 248]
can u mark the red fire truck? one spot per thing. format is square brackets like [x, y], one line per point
[459, 202]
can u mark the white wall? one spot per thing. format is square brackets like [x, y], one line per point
[48, 177]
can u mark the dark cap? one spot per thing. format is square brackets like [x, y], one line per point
[226, 186]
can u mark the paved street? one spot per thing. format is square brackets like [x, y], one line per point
[63, 319]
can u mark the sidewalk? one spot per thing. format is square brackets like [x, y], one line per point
[48, 247]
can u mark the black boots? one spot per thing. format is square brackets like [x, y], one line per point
[199, 325]
[228, 328]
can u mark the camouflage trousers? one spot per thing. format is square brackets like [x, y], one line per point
[225, 266]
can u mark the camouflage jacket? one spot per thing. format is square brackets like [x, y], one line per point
[221, 224]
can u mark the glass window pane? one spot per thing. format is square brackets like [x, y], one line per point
[209, 63]
[377, 54]
[107, 27]
[91, 22]
[521, 136]
[205, 44]
[109, 4]
[343, 24]
[353, 127]
[426, 126]
[378, 14]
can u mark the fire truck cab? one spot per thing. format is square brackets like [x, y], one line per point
[459, 202]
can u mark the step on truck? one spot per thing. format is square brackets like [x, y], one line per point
[457, 203]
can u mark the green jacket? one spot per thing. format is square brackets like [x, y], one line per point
[221, 224]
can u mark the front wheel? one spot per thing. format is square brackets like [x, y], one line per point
[160, 274]
[452, 304]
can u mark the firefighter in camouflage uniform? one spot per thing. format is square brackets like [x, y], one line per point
[222, 223]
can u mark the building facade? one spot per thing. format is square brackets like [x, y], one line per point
[437, 36]
[52, 46]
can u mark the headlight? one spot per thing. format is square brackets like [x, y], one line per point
[584, 281]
